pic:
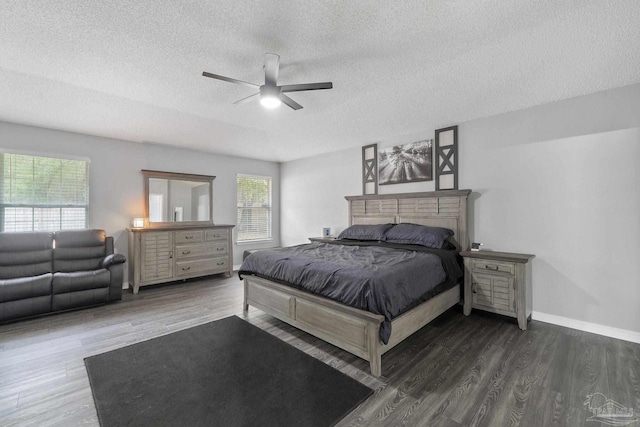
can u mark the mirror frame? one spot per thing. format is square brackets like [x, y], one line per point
[176, 176]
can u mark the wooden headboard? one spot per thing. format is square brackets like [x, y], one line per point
[447, 208]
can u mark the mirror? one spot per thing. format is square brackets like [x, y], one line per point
[177, 198]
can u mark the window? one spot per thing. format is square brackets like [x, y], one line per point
[254, 208]
[43, 193]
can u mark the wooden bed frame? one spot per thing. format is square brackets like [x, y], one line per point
[358, 331]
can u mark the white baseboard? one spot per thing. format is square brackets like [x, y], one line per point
[607, 331]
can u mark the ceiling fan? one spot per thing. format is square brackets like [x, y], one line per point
[271, 95]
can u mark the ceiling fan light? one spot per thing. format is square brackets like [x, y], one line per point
[270, 101]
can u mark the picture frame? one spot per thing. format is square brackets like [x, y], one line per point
[447, 158]
[406, 163]
[370, 169]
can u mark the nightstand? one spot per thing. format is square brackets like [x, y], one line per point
[499, 282]
[322, 239]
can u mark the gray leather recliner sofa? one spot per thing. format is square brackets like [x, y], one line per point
[38, 277]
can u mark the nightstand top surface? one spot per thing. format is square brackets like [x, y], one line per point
[321, 239]
[498, 256]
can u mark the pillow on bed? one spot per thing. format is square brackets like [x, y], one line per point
[414, 234]
[365, 232]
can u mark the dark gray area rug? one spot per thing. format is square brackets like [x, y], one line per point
[223, 373]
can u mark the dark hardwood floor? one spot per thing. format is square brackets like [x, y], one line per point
[457, 371]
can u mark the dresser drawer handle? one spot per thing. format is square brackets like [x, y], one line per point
[492, 267]
[219, 249]
[186, 268]
[216, 235]
[188, 237]
[186, 252]
[220, 263]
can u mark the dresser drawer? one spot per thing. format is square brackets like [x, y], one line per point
[220, 264]
[220, 248]
[195, 251]
[212, 235]
[201, 266]
[188, 236]
[493, 266]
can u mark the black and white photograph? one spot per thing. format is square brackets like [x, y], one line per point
[406, 163]
[268, 213]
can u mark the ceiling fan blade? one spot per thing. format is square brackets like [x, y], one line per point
[290, 102]
[247, 99]
[228, 79]
[306, 86]
[271, 66]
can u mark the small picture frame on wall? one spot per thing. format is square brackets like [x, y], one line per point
[447, 158]
[370, 169]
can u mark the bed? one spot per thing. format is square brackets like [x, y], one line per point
[352, 329]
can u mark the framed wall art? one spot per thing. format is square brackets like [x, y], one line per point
[406, 163]
[370, 169]
[447, 158]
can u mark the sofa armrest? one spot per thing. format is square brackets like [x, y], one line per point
[112, 259]
[114, 263]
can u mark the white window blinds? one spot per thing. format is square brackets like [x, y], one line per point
[43, 193]
[254, 208]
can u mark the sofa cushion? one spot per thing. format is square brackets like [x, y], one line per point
[25, 254]
[80, 281]
[25, 287]
[84, 298]
[25, 307]
[79, 250]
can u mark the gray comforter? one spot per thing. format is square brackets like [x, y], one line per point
[381, 280]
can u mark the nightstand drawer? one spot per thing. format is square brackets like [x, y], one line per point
[493, 266]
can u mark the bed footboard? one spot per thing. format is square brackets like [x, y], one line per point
[353, 330]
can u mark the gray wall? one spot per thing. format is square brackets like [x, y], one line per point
[558, 181]
[116, 185]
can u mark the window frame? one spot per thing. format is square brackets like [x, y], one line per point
[34, 206]
[270, 210]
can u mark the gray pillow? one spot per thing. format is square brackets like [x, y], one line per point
[414, 234]
[365, 232]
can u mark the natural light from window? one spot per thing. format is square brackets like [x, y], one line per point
[254, 208]
[43, 193]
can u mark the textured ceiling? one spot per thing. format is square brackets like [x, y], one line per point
[132, 69]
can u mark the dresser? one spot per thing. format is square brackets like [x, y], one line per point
[498, 282]
[158, 255]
